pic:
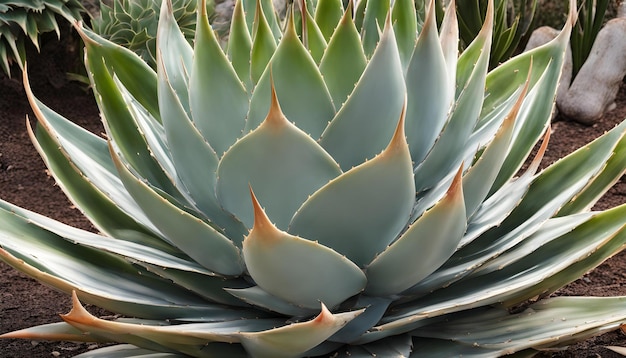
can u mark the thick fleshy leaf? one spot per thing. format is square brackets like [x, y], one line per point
[139, 78]
[428, 88]
[555, 321]
[327, 15]
[433, 238]
[362, 211]
[127, 351]
[101, 279]
[175, 52]
[375, 13]
[283, 165]
[480, 177]
[547, 61]
[240, 45]
[196, 238]
[305, 101]
[296, 339]
[89, 180]
[364, 125]
[278, 262]
[405, 28]
[219, 112]
[446, 154]
[256, 296]
[120, 125]
[187, 148]
[312, 36]
[263, 44]
[344, 60]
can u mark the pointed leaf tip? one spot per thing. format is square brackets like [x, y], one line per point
[78, 313]
[398, 141]
[262, 224]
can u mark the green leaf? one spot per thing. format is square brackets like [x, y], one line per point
[263, 44]
[219, 112]
[306, 101]
[296, 339]
[312, 37]
[363, 210]
[327, 16]
[363, 126]
[176, 54]
[446, 155]
[344, 60]
[375, 14]
[437, 233]
[429, 90]
[405, 28]
[256, 296]
[186, 143]
[275, 159]
[240, 45]
[197, 239]
[278, 261]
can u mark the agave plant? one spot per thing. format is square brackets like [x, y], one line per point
[21, 20]
[333, 189]
[133, 23]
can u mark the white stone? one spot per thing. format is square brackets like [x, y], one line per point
[595, 87]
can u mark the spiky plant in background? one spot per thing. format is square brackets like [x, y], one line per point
[133, 23]
[26, 20]
[393, 220]
[513, 21]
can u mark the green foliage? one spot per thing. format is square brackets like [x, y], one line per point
[133, 23]
[327, 189]
[590, 20]
[513, 19]
[25, 20]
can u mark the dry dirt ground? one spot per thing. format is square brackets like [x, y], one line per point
[23, 181]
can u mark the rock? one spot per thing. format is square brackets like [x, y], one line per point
[594, 89]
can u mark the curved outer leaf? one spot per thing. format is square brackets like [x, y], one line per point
[187, 148]
[553, 321]
[139, 78]
[433, 237]
[299, 86]
[296, 339]
[197, 239]
[449, 37]
[344, 60]
[120, 124]
[283, 165]
[347, 138]
[547, 61]
[278, 262]
[429, 90]
[89, 180]
[102, 279]
[362, 211]
[480, 177]
[127, 351]
[219, 112]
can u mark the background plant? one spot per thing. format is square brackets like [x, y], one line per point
[23, 21]
[404, 229]
[513, 21]
[591, 17]
[133, 23]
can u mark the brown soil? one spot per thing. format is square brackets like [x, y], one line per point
[24, 181]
